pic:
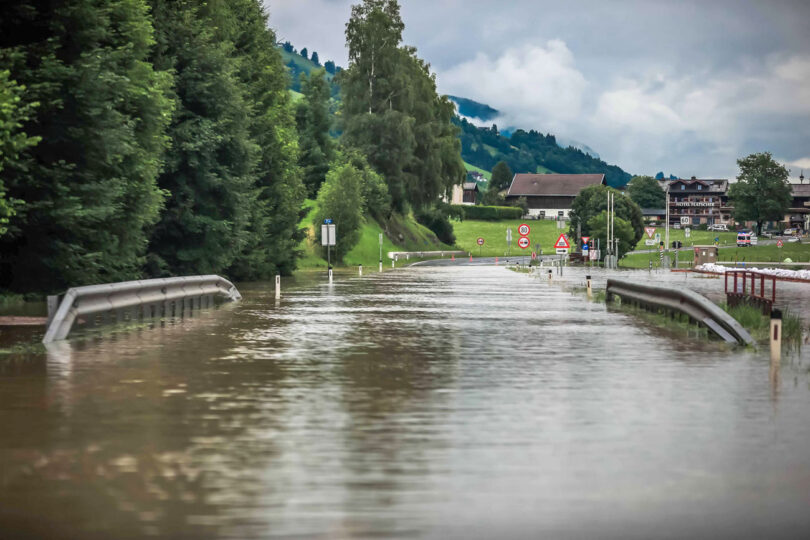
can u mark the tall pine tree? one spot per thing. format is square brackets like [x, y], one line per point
[314, 123]
[89, 185]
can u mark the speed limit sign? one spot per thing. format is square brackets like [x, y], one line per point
[523, 242]
[524, 230]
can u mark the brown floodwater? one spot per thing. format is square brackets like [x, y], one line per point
[460, 402]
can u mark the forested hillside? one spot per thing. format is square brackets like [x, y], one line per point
[530, 152]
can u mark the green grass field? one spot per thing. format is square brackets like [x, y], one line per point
[494, 234]
[795, 251]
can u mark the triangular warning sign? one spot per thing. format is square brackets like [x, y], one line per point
[562, 243]
[585, 239]
[650, 231]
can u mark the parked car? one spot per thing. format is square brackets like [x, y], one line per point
[789, 232]
[717, 227]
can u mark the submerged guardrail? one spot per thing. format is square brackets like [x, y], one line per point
[697, 307]
[398, 255]
[157, 297]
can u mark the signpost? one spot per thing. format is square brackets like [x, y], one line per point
[480, 243]
[523, 242]
[684, 220]
[779, 243]
[508, 240]
[650, 231]
[328, 239]
[524, 230]
[687, 232]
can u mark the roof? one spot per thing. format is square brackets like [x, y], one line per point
[469, 185]
[654, 211]
[711, 184]
[800, 190]
[565, 185]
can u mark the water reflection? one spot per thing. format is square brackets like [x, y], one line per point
[447, 402]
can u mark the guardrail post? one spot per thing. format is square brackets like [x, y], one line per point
[776, 335]
[588, 285]
[278, 286]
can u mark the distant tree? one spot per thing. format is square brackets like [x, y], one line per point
[287, 46]
[501, 177]
[341, 200]
[593, 199]
[304, 52]
[762, 192]
[376, 199]
[646, 192]
[329, 66]
[659, 175]
[315, 58]
[314, 122]
[622, 230]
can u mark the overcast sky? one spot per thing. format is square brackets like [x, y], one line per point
[684, 86]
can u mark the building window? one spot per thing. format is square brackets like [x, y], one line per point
[700, 187]
[683, 187]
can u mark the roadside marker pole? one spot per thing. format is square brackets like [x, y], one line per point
[496, 261]
[588, 282]
[470, 257]
[361, 269]
[380, 265]
[278, 286]
[549, 275]
[776, 336]
[330, 275]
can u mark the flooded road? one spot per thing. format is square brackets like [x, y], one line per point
[461, 402]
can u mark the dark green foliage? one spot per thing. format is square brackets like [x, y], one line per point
[89, 185]
[376, 199]
[304, 52]
[474, 109]
[341, 200]
[622, 230]
[525, 152]
[489, 213]
[592, 200]
[287, 46]
[392, 112]
[329, 66]
[314, 123]
[13, 112]
[646, 192]
[315, 59]
[437, 219]
[762, 192]
[501, 177]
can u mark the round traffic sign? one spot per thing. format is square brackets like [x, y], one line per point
[778, 243]
[480, 241]
[523, 242]
[524, 230]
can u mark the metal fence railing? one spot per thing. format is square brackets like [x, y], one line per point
[155, 297]
[671, 299]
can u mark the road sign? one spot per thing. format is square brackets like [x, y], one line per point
[523, 242]
[562, 242]
[684, 220]
[658, 237]
[649, 242]
[687, 232]
[650, 231]
[327, 221]
[328, 236]
[480, 241]
[534, 255]
[594, 255]
[585, 240]
[524, 230]
[585, 247]
[778, 243]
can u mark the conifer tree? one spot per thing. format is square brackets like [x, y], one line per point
[89, 185]
[314, 123]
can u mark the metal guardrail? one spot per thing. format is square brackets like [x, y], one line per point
[697, 307]
[164, 296]
[399, 255]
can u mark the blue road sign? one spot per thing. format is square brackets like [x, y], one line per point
[327, 221]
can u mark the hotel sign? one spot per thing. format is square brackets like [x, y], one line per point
[695, 204]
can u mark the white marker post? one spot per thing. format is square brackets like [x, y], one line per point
[361, 269]
[278, 286]
[588, 284]
[776, 336]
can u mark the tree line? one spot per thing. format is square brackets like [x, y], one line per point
[145, 138]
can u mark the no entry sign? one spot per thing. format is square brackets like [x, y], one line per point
[523, 242]
[480, 241]
[524, 230]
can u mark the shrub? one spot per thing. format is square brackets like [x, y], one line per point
[490, 213]
[436, 219]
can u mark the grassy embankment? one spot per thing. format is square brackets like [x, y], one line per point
[409, 236]
[487, 174]
[494, 234]
[796, 252]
